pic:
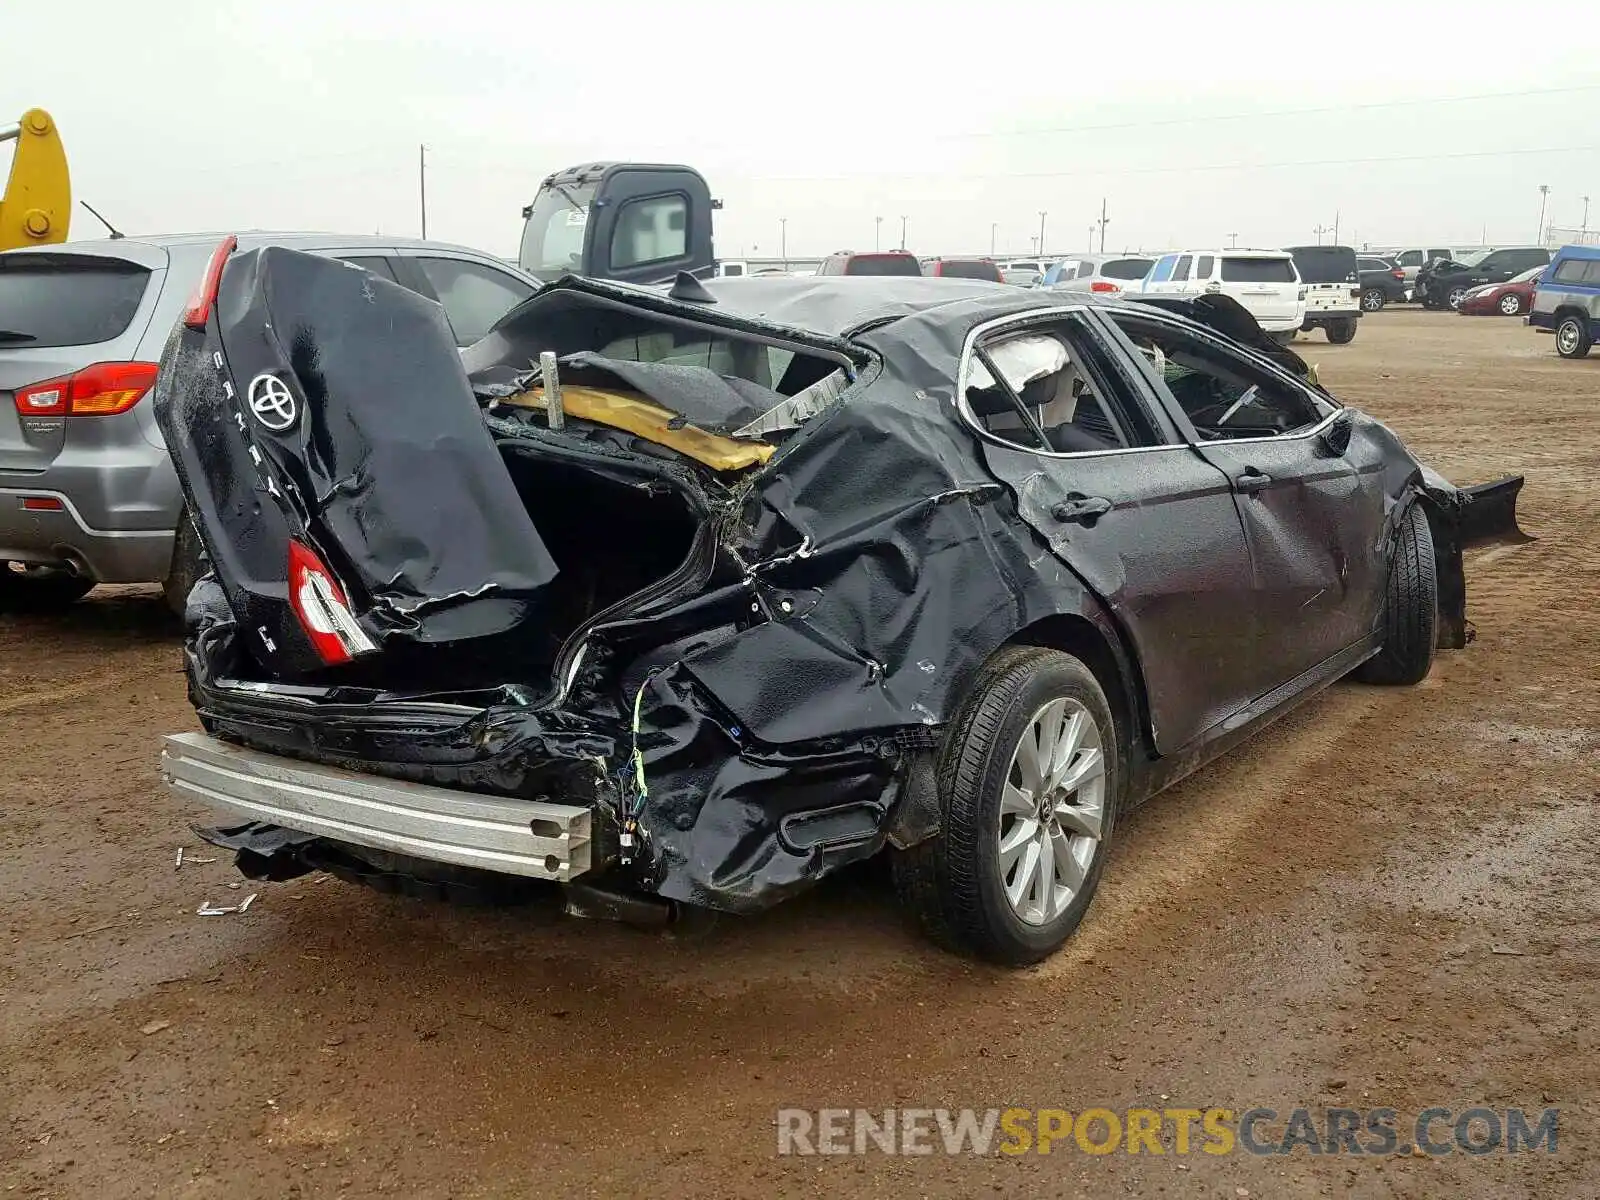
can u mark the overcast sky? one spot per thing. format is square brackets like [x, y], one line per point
[1188, 118]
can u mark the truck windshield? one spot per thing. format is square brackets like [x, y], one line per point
[552, 238]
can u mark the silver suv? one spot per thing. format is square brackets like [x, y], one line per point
[87, 493]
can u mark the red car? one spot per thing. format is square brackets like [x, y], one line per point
[1509, 299]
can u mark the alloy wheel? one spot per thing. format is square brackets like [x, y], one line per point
[1052, 812]
[1511, 305]
[1567, 337]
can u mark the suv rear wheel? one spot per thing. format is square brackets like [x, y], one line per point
[27, 588]
[188, 564]
[1373, 299]
[1029, 782]
[1342, 331]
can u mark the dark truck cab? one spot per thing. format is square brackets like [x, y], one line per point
[636, 222]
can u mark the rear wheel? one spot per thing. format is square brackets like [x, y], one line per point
[1572, 336]
[1029, 782]
[1511, 304]
[1373, 299]
[1342, 331]
[28, 588]
[1411, 607]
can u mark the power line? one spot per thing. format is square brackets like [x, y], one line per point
[1274, 113]
[1237, 166]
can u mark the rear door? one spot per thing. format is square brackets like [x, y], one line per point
[1330, 276]
[1149, 525]
[62, 310]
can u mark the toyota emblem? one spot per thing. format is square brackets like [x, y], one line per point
[272, 403]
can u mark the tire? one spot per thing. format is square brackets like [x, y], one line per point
[1572, 336]
[1455, 296]
[188, 564]
[1373, 300]
[1342, 332]
[1510, 305]
[955, 883]
[40, 589]
[1411, 608]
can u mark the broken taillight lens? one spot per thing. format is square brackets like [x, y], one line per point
[323, 609]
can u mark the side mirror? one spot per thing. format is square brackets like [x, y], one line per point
[1335, 439]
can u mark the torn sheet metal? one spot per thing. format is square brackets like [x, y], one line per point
[769, 707]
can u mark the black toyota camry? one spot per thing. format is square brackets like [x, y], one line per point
[691, 596]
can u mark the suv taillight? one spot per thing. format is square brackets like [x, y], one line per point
[322, 609]
[198, 310]
[1101, 285]
[101, 390]
[1398, 273]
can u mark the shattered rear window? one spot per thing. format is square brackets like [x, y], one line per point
[752, 361]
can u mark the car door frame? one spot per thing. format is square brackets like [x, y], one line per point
[1359, 568]
[1181, 718]
[410, 273]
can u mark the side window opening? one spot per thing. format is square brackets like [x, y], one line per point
[651, 229]
[1225, 396]
[1202, 269]
[1048, 390]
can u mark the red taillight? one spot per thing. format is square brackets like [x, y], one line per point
[198, 312]
[1398, 273]
[42, 504]
[102, 390]
[1100, 285]
[323, 610]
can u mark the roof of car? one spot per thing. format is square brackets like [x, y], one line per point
[1576, 251]
[836, 304]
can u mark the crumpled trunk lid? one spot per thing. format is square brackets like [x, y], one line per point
[326, 406]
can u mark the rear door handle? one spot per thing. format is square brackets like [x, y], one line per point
[1081, 510]
[1251, 481]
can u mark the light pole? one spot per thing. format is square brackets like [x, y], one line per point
[1583, 235]
[1319, 231]
[902, 232]
[877, 233]
[1042, 215]
[1091, 237]
[1544, 195]
[994, 231]
[783, 241]
[1233, 241]
[1104, 221]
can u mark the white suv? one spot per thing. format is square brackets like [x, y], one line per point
[1264, 281]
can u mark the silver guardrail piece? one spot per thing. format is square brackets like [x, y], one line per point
[537, 839]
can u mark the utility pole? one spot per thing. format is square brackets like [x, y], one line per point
[877, 233]
[994, 232]
[902, 232]
[1583, 235]
[783, 241]
[1544, 195]
[1233, 241]
[1104, 220]
[1042, 215]
[1336, 227]
[422, 186]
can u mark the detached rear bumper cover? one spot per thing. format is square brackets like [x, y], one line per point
[536, 839]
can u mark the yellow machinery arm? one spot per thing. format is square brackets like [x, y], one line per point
[36, 206]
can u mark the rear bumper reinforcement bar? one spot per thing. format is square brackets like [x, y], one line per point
[536, 839]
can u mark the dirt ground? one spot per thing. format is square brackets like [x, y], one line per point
[1388, 899]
